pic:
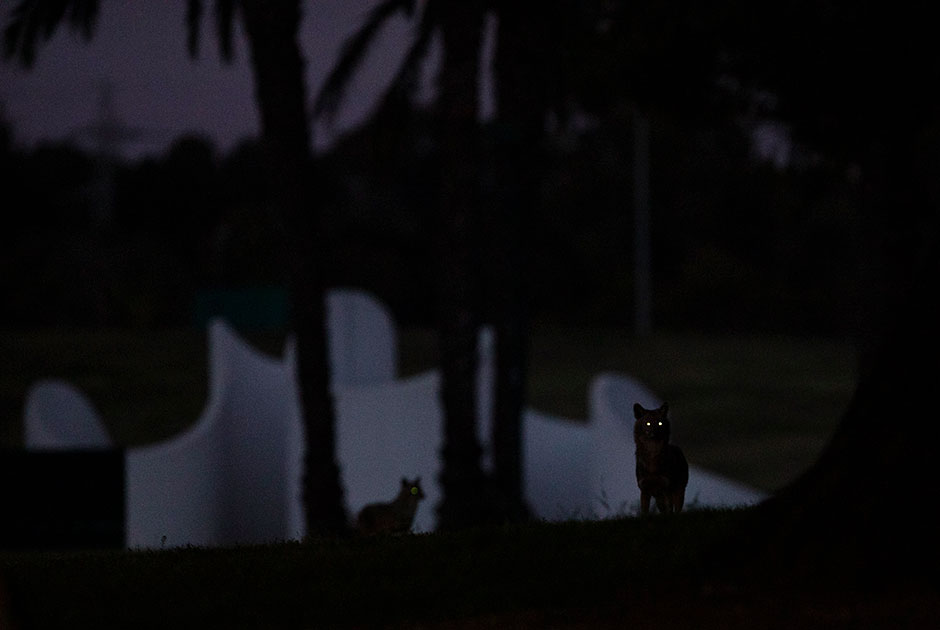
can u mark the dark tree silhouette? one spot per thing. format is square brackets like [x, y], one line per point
[469, 497]
[281, 91]
[865, 503]
[853, 80]
[271, 27]
[865, 507]
[488, 236]
[853, 97]
[523, 73]
[466, 498]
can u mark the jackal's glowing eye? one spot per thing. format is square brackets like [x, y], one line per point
[649, 424]
[660, 423]
[414, 490]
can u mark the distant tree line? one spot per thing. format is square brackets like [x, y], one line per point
[738, 243]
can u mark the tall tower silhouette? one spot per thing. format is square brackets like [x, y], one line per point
[107, 135]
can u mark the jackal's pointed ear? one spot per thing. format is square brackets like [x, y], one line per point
[664, 408]
[404, 482]
[638, 411]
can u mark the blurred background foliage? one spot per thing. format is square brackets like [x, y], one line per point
[740, 241]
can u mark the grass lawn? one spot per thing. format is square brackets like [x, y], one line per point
[655, 572]
[755, 408]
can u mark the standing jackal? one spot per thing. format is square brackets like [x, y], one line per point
[394, 517]
[661, 469]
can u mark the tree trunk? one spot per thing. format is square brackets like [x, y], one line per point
[865, 507]
[519, 69]
[465, 496]
[281, 93]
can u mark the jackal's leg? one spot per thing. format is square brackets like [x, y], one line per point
[663, 503]
[677, 499]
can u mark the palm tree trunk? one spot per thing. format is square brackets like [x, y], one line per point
[464, 501]
[521, 105]
[271, 27]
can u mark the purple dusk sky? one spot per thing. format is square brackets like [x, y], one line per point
[139, 50]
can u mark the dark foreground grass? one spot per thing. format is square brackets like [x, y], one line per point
[657, 572]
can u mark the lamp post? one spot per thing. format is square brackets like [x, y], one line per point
[642, 267]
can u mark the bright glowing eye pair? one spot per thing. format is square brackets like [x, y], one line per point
[651, 424]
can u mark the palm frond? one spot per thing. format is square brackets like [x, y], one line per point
[355, 48]
[35, 21]
[408, 78]
[224, 22]
[83, 16]
[193, 25]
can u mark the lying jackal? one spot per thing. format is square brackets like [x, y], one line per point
[394, 517]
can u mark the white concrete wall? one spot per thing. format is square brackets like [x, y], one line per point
[59, 415]
[235, 475]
